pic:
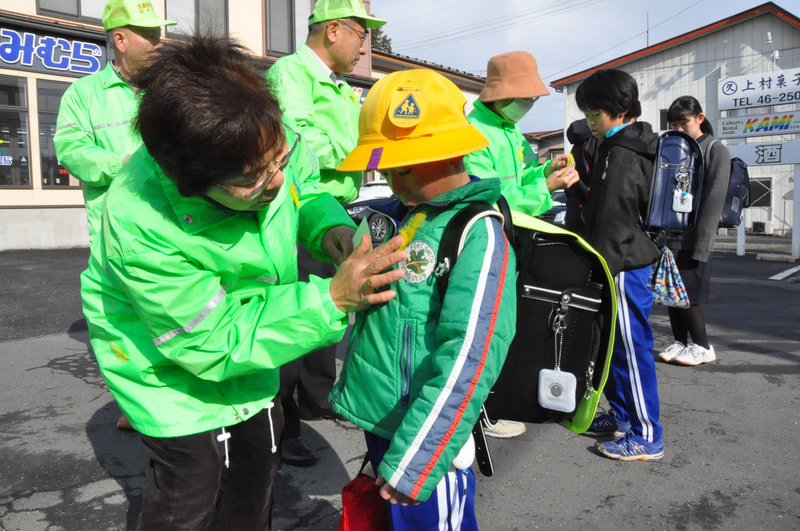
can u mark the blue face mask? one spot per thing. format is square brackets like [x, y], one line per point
[516, 109]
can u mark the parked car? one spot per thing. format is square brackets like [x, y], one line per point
[558, 213]
[376, 203]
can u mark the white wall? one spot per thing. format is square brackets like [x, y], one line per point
[695, 67]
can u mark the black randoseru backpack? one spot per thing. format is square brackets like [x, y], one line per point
[566, 308]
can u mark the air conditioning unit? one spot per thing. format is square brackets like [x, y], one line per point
[762, 227]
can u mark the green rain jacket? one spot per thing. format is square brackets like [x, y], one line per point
[94, 133]
[419, 367]
[192, 308]
[510, 157]
[326, 114]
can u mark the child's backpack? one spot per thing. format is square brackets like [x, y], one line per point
[738, 195]
[676, 184]
[558, 362]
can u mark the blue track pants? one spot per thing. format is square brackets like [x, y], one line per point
[632, 387]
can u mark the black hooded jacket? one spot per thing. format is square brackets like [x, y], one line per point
[584, 147]
[618, 198]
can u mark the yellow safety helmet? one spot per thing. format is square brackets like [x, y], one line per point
[412, 117]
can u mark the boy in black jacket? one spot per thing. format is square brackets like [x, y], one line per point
[613, 215]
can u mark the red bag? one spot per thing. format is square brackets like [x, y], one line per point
[363, 509]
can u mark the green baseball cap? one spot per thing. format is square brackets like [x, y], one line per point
[333, 9]
[120, 13]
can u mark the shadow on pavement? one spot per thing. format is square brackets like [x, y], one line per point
[120, 454]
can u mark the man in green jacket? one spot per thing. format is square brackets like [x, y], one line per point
[312, 92]
[94, 135]
[191, 294]
[512, 86]
[94, 132]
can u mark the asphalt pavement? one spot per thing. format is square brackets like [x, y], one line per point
[731, 434]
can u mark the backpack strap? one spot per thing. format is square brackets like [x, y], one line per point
[707, 152]
[450, 246]
[455, 234]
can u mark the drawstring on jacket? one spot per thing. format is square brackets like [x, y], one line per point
[274, 447]
[223, 437]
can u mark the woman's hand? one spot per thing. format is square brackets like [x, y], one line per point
[353, 287]
[563, 178]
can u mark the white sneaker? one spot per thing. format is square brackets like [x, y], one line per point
[503, 429]
[695, 355]
[672, 351]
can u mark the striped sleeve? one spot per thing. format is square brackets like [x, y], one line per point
[469, 353]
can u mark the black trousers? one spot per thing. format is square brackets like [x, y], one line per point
[312, 375]
[187, 486]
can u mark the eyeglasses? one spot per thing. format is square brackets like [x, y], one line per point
[262, 183]
[361, 34]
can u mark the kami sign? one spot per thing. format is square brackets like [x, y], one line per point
[759, 125]
[759, 90]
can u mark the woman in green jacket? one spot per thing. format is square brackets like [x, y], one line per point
[192, 296]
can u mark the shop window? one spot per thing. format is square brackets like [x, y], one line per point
[280, 27]
[208, 17]
[14, 151]
[83, 10]
[49, 96]
[761, 192]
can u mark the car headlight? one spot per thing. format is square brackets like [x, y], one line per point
[560, 218]
[356, 210]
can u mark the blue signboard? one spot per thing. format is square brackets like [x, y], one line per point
[38, 52]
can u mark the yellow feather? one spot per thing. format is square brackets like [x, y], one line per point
[410, 228]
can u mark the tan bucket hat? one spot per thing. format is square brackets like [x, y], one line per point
[512, 75]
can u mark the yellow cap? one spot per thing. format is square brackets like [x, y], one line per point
[412, 117]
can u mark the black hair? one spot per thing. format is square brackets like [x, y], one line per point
[612, 91]
[688, 106]
[206, 116]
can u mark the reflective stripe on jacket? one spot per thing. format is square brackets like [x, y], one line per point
[94, 134]
[326, 114]
[418, 370]
[192, 308]
[509, 157]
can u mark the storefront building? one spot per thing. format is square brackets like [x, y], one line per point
[45, 45]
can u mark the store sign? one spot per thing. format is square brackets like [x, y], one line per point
[759, 125]
[22, 50]
[759, 90]
[767, 153]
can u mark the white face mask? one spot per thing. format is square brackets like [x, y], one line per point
[516, 109]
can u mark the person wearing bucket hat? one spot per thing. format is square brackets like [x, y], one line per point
[93, 135]
[418, 414]
[512, 86]
[312, 92]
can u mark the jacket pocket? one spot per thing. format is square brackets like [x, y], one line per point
[406, 362]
